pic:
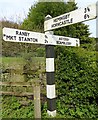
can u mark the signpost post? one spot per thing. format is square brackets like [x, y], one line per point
[51, 97]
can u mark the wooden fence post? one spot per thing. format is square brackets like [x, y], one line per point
[37, 104]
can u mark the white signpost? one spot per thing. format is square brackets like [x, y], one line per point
[76, 16]
[16, 35]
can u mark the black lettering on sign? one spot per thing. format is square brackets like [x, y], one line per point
[86, 10]
[46, 37]
[20, 38]
[60, 42]
[4, 35]
[22, 33]
[68, 21]
[34, 39]
[63, 43]
[68, 43]
[28, 39]
[62, 18]
[71, 20]
[46, 41]
[65, 39]
[9, 37]
[86, 16]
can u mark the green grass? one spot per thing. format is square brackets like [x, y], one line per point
[20, 59]
[19, 62]
[34, 68]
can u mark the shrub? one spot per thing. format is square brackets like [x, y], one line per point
[76, 79]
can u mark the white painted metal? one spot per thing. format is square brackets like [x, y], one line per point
[51, 91]
[79, 15]
[61, 40]
[16, 35]
[50, 64]
[51, 113]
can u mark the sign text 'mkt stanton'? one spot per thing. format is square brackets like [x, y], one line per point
[22, 36]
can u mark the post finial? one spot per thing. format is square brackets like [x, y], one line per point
[48, 17]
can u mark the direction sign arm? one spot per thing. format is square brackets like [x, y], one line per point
[66, 19]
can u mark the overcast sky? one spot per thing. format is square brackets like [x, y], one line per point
[17, 10]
